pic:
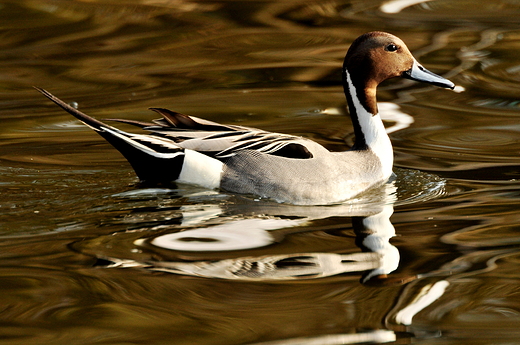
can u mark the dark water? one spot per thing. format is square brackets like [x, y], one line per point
[82, 257]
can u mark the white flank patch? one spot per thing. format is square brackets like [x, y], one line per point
[375, 133]
[201, 170]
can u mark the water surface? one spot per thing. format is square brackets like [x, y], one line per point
[89, 256]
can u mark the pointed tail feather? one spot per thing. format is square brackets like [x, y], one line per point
[152, 160]
[89, 121]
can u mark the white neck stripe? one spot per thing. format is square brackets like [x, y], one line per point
[373, 129]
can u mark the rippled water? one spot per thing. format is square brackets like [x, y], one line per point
[89, 256]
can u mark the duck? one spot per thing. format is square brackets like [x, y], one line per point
[178, 148]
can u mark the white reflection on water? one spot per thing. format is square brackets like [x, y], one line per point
[427, 295]
[392, 112]
[377, 336]
[235, 235]
[264, 268]
[374, 235]
[396, 6]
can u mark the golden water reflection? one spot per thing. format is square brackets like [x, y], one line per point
[70, 202]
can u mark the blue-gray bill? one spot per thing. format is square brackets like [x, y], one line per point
[419, 73]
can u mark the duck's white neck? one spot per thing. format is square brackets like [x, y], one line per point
[371, 127]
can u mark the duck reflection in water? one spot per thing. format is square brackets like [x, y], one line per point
[371, 223]
[246, 224]
[373, 232]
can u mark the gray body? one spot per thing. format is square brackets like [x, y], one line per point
[328, 177]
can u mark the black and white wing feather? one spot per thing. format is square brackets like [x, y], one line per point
[221, 141]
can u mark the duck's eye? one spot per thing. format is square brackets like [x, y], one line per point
[391, 47]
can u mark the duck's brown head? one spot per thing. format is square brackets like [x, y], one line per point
[376, 56]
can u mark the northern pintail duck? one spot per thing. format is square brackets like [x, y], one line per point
[282, 167]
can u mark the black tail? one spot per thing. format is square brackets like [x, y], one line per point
[153, 161]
